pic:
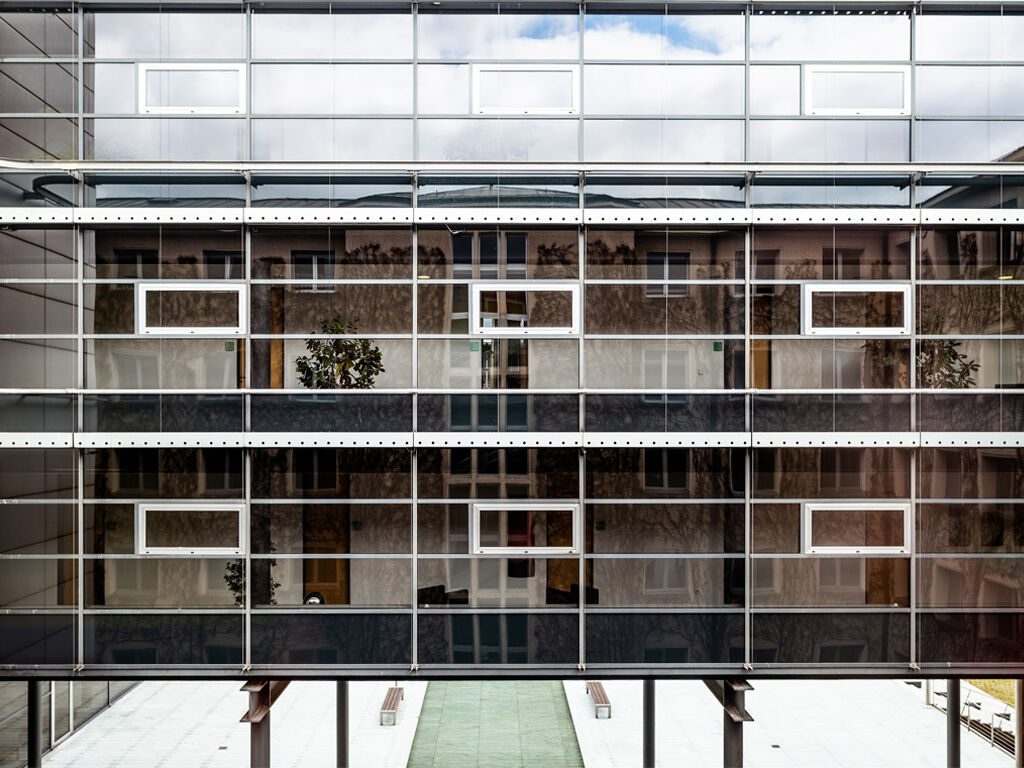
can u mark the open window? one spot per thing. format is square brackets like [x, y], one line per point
[526, 89]
[175, 88]
[515, 309]
[863, 527]
[175, 309]
[196, 528]
[856, 89]
[525, 528]
[852, 309]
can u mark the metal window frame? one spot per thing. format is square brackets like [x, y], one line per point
[523, 286]
[477, 68]
[142, 508]
[807, 509]
[807, 291]
[142, 326]
[574, 508]
[810, 70]
[143, 68]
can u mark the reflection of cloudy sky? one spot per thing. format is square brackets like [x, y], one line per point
[672, 37]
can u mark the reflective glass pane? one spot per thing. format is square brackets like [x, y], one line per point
[663, 473]
[331, 36]
[980, 91]
[824, 473]
[830, 37]
[37, 88]
[134, 639]
[166, 139]
[653, 36]
[832, 638]
[166, 35]
[664, 638]
[329, 473]
[830, 141]
[498, 582]
[978, 582]
[498, 140]
[685, 528]
[37, 583]
[358, 583]
[498, 638]
[311, 640]
[830, 581]
[498, 36]
[967, 140]
[995, 528]
[829, 254]
[663, 140]
[340, 89]
[498, 363]
[37, 529]
[151, 582]
[323, 139]
[324, 528]
[949, 37]
[659, 90]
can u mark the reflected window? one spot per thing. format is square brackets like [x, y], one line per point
[313, 265]
[489, 255]
[525, 528]
[842, 469]
[220, 470]
[224, 265]
[209, 529]
[667, 266]
[136, 262]
[666, 369]
[315, 469]
[841, 653]
[188, 89]
[135, 372]
[525, 89]
[666, 469]
[667, 576]
[855, 528]
[841, 369]
[135, 470]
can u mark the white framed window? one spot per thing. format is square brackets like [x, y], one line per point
[507, 309]
[201, 309]
[526, 89]
[176, 88]
[856, 89]
[666, 369]
[195, 528]
[525, 528]
[855, 309]
[861, 527]
[666, 266]
[313, 265]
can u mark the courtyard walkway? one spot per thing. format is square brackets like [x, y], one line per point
[500, 724]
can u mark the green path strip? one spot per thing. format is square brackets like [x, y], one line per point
[499, 724]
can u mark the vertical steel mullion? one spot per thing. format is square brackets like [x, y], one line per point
[78, 243]
[746, 85]
[748, 452]
[415, 84]
[248, 82]
[581, 399]
[80, 85]
[913, 85]
[53, 712]
[581, 27]
[914, 426]
[414, 458]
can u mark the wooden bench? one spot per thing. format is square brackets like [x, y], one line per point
[389, 709]
[600, 697]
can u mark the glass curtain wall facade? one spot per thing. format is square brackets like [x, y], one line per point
[466, 339]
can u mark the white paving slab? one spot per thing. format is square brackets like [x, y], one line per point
[195, 725]
[845, 723]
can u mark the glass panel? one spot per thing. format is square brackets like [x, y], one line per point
[340, 89]
[861, 309]
[111, 89]
[664, 413]
[37, 529]
[522, 91]
[823, 473]
[180, 473]
[663, 192]
[444, 89]
[664, 473]
[164, 363]
[165, 252]
[775, 90]
[970, 473]
[989, 582]
[498, 363]
[967, 140]
[497, 140]
[989, 363]
[306, 308]
[170, 191]
[975, 91]
[90, 697]
[38, 33]
[165, 35]
[293, 139]
[356, 583]
[37, 583]
[344, 254]
[498, 413]
[527, 308]
[658, 364]
[192, 88]
[37, 413]
[498, 582]
[952, 191]
[191, 528]
[942, 37]
[652, 36]
[164, 413]
[832, 413]
[830, 37]
[982, 254]
[984, 638]
[304, 529]
[629, 254]
[305, 639]
[37, 87]
[37, 639]
[315, 191]
[163, 639]
[191, 309]
[684, 528]
[36, 253]
[31, 138]
[829, 582]
[834, 141]
[342, 473]
[505, 35]
[666, 581]
[829, 363]
[498, 638]
[539, 254]
[996, 528]
[832, 638]
[152, 582]
[335, 35]
[856, 528]
[275, 364]
[27, 190]
[332, 413]
[663, 140]
[110, 529]
[664, 308]
[974, 309]
[658, 90]
[861, 90]
[832, 191]
[775, 528]
[660, 638]
[37, 473]
[181, 138]
[498, 473]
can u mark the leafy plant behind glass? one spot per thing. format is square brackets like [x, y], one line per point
[337, 363]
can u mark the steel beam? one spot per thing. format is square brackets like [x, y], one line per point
[649, 713]
[953, 722]
[35, 723]
[342, 716]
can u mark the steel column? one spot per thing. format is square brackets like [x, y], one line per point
[35, 723]
[342, 717]
[649, 711]
[953, 722]
[259, 728]
[1018, 724]
[732, 728]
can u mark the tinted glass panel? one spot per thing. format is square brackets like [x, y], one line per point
[636, 638]
[331, 639]
[517, 638]
[156, 639]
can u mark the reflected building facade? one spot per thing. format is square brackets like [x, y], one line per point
[450, 339]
